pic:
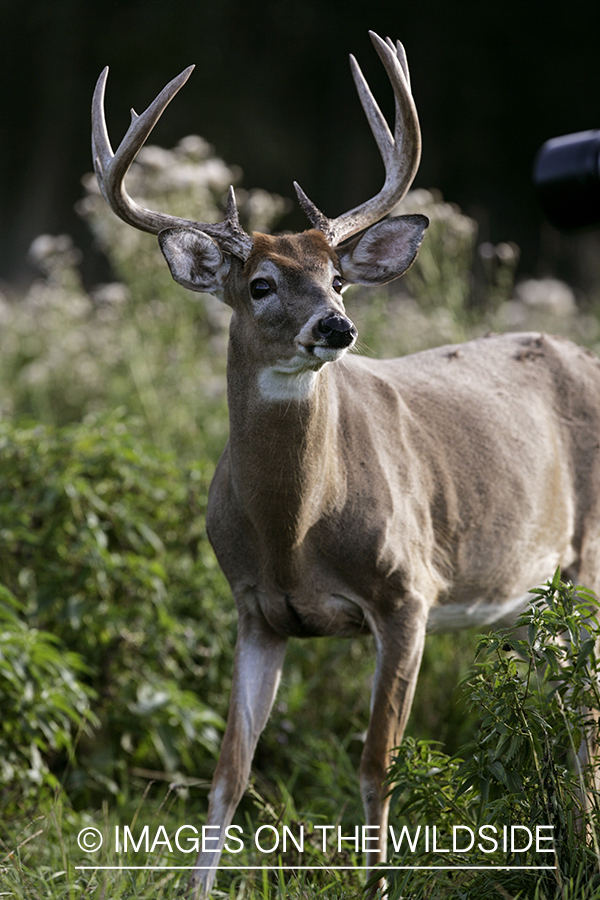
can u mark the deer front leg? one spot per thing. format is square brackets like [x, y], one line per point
[399, 652]
[258, 661]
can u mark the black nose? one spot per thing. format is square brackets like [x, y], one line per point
[337, 330]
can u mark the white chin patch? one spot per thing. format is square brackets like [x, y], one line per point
[329, 354]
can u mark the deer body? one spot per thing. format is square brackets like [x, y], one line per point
[359, 495]
[394, 497]
[472, 521]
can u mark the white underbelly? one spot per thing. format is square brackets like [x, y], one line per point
[454, 616]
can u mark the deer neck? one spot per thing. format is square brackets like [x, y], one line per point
[282, 456]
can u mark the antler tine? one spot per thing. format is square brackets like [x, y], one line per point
[401, 152]
[401, 54]
[407, 134]
[111, 169]
[379, 126]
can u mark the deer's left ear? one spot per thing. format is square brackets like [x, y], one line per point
[194, 258]
[384, 251]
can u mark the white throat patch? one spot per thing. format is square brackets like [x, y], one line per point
[275, 384]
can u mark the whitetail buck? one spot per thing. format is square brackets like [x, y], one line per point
[359, 495]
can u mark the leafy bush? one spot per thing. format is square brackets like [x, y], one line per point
[103, 544]
[44, 705]
[534, 695]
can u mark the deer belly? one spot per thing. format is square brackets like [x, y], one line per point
[494, 604]
[455, 616]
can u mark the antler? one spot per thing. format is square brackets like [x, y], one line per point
[111, 169]
[401, 152]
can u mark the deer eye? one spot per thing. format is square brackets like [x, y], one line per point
[337, 284]
[260, 287]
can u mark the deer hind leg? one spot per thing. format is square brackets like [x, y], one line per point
[399, 651]
[259, 655]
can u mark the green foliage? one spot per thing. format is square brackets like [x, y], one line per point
[532, 690]
[103, 544]
[44, 705]
[534, 696]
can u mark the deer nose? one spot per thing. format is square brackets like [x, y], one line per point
[337, 330]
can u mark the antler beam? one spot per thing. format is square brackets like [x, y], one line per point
[401, 152]
[111, 169]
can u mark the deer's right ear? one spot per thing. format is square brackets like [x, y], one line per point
[194, 258]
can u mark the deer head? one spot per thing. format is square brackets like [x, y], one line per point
[221, 258]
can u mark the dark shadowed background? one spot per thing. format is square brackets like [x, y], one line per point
[272, 91]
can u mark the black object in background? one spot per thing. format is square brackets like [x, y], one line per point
[566, 175]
